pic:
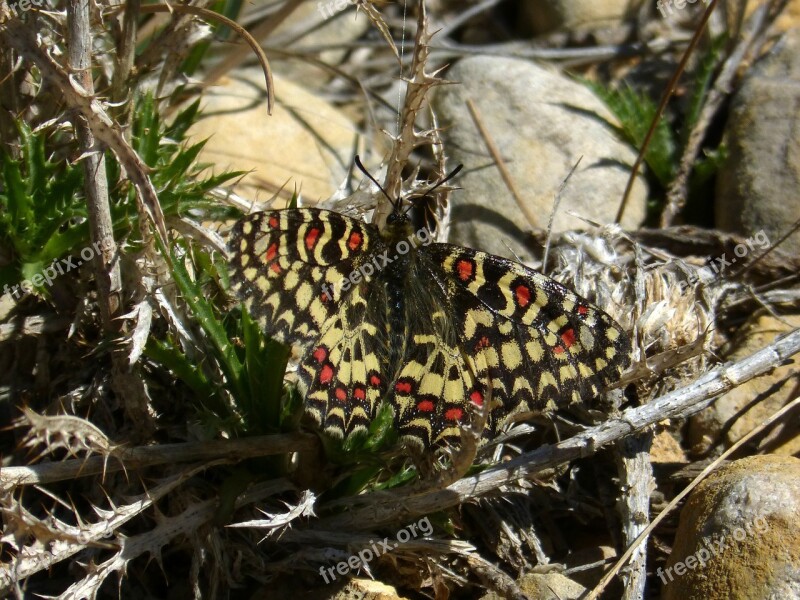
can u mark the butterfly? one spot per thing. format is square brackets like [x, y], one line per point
[433, 329]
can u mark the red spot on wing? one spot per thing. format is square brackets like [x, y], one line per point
[583, 311]
[465, 269]
[311, 237]
[567, 340]
[483, 343]
[374, 380]
[341, 394]
[523, 295]
[326, 374]
[355, 240]
[476, 398]
[274, 221]
[425, 406]
[320, 354]
[271, 251]
[359, 393]
[403, 387]
[453, 414]
[275, 267]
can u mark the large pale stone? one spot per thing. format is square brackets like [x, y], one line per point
[306, 143]
[542, 122]
[757, 189]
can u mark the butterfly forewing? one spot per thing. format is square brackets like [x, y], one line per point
[544, 345]
[288, 266]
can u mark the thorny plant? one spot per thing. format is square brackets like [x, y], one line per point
[173, 365]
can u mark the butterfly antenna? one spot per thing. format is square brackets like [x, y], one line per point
[452, 174]
[373, 180]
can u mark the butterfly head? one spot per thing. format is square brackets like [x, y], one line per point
[398, 220]
[398, 216]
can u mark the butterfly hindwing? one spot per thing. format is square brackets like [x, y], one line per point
[343, 375]
[436, 388]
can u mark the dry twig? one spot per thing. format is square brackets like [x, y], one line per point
[638, 542]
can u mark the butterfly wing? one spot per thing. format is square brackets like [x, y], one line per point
[432, 381]
[471, 326]
[363, 355]
[344, 375]
[543, 345]
[436, 390]
[289, 267]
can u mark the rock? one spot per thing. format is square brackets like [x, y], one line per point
[542, 122]
[736, 413]
[281, 149]
[757, 187]
[356, 588]
[739, 534]
[666, 449]
[367, 589]
[545, 586]
[550, 15]
[596, 553]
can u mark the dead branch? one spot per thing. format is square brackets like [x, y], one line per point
[138, 458]
[749, 46]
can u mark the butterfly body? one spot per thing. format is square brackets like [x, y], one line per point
[392, 278]
[433, 329]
